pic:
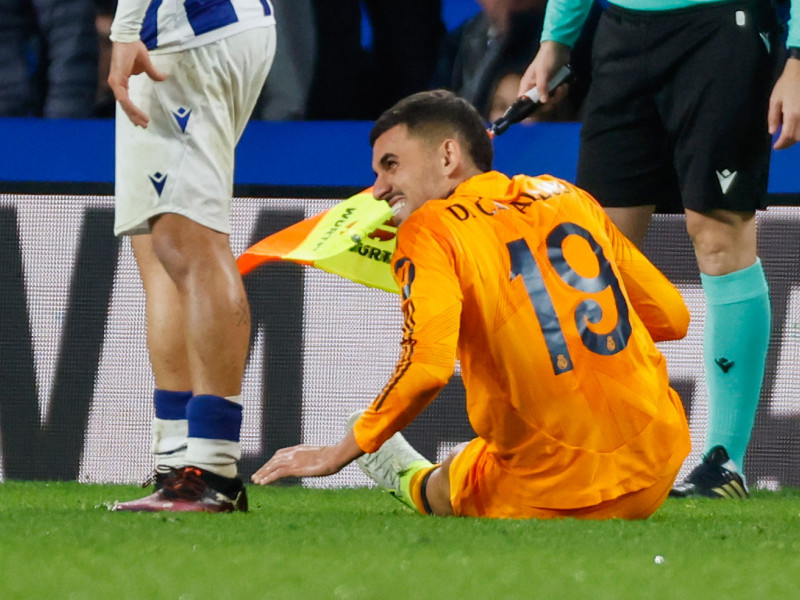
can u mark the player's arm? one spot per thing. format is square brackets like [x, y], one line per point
[129, 56]
[658, 303]
[308, 461]
[432, 313]
[424, 268]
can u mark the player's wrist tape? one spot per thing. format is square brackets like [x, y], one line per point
[793, 52]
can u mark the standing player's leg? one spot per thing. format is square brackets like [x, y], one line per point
[166, 345]
[199, 259]
[198, 310]
[192, 175]
[216, 313]
[203, 287]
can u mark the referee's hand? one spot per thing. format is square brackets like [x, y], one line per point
[548, 60]
[130, 58]
[784, 106]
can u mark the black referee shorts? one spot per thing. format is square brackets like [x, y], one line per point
[676, 114]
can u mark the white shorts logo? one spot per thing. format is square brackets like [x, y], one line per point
[726, 178]
[158, 180]
[182, 117]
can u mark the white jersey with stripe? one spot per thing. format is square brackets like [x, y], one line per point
[174, 25]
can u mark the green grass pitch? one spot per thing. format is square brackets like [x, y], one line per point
[59, 541]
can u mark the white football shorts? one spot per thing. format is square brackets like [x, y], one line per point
[182, 162]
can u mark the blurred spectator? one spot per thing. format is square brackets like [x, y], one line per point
[104, 101]
[479, 60]
[503, 94]
[285, 95]
[353, 83]
[48, 58]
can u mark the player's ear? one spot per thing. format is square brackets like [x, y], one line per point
[452, 156]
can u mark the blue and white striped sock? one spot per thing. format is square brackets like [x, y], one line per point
[214, 427]
[170, 428]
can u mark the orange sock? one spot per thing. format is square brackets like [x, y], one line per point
[416, 489]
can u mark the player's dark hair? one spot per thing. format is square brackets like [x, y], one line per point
[439, 114]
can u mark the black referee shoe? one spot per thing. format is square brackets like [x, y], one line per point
[715, 477]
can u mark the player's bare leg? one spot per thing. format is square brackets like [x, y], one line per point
[166, 344]
[216, 325]
[166, 334]
[215, 307]
[437, 490]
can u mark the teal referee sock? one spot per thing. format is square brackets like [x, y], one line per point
[735, 342]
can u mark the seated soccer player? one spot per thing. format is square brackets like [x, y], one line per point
[553, 314]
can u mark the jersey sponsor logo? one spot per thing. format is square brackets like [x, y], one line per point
[724, 364]
[158, 180]
[182, 117]
[726, 178]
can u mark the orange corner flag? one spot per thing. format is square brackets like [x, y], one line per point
[355, 239]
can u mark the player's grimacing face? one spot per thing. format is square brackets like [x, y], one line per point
[406, 172]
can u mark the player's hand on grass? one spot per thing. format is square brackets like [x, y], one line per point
[297, 461]
[130, 58]
[784, 106]
[308, 461]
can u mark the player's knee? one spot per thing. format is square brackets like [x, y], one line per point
[172, 253]
[724, 241]
[183, 250]
[720, 226]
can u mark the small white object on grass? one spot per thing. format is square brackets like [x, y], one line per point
[659, 560]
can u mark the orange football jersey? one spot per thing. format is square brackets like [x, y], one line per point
[553, 314]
